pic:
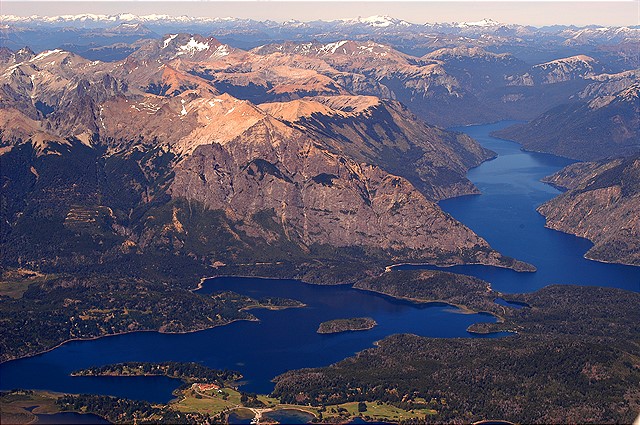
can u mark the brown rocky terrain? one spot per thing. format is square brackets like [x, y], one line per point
[163, 157]
[601, 204]
[387, 134]
[452, 85]
[183, 46]
[281, 184]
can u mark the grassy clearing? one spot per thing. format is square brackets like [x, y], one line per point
[15, 282]
[210, 402]
[13, 406]
[377, 411]
[269, 401]
[213, 404]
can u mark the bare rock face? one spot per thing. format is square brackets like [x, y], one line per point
[565, 69]
[449, 86]
[60, 90]
[387, 134]
[183, 46]
[275, 176]
[602, 205]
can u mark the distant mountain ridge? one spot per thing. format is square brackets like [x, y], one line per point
[251, 33]
[371, 21]
[601, 124]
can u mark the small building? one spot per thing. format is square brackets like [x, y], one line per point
[207, 387]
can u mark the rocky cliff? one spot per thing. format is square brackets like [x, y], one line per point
[385, 133]
[281, 185]
[601, 204]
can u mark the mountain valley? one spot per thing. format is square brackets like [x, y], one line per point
[185, 175]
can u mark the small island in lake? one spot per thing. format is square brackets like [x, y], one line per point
[343, 325]
[187, 372]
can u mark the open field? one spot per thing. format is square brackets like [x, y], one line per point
[14, 283]
[213, 403]
[18, 407]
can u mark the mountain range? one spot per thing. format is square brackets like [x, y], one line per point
[85, 31]
[141, 153]
[113, 158]
[603, 122]
[296, 144]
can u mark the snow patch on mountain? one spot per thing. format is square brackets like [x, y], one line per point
[222, 50]
[574, 60]
[168, 40]
[377, 21]
[193, 46]
[45, 54]
[486, 22]
[332, 47]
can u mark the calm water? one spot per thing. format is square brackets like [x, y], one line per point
[281, 416]
[282, 340]
[289, 416]
[504, 215]
[240, 417]
[71, 418]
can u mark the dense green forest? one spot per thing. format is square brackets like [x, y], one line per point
[188, 372]
[64, 308]
[435, 286]
[575, 358]
[343, 325]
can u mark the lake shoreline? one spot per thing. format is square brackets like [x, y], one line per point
[94, 338]
[463, 308]
[504, 185]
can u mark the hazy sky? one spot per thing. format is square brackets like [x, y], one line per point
[522, 12]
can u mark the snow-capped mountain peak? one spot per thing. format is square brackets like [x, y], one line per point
[377, 21]
[193, 46]
[486, 22]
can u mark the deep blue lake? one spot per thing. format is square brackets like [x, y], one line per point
[282, 340]
[71, 418]
[505, 216]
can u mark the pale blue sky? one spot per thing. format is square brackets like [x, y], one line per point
[522, 12]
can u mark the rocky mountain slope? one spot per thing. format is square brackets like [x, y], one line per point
[470, 73]
[601, 204]
[281, 185]
[387, 134]
[449, 86]
[301, 145]
[565, 69]
[137, 160]
[587, 129]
